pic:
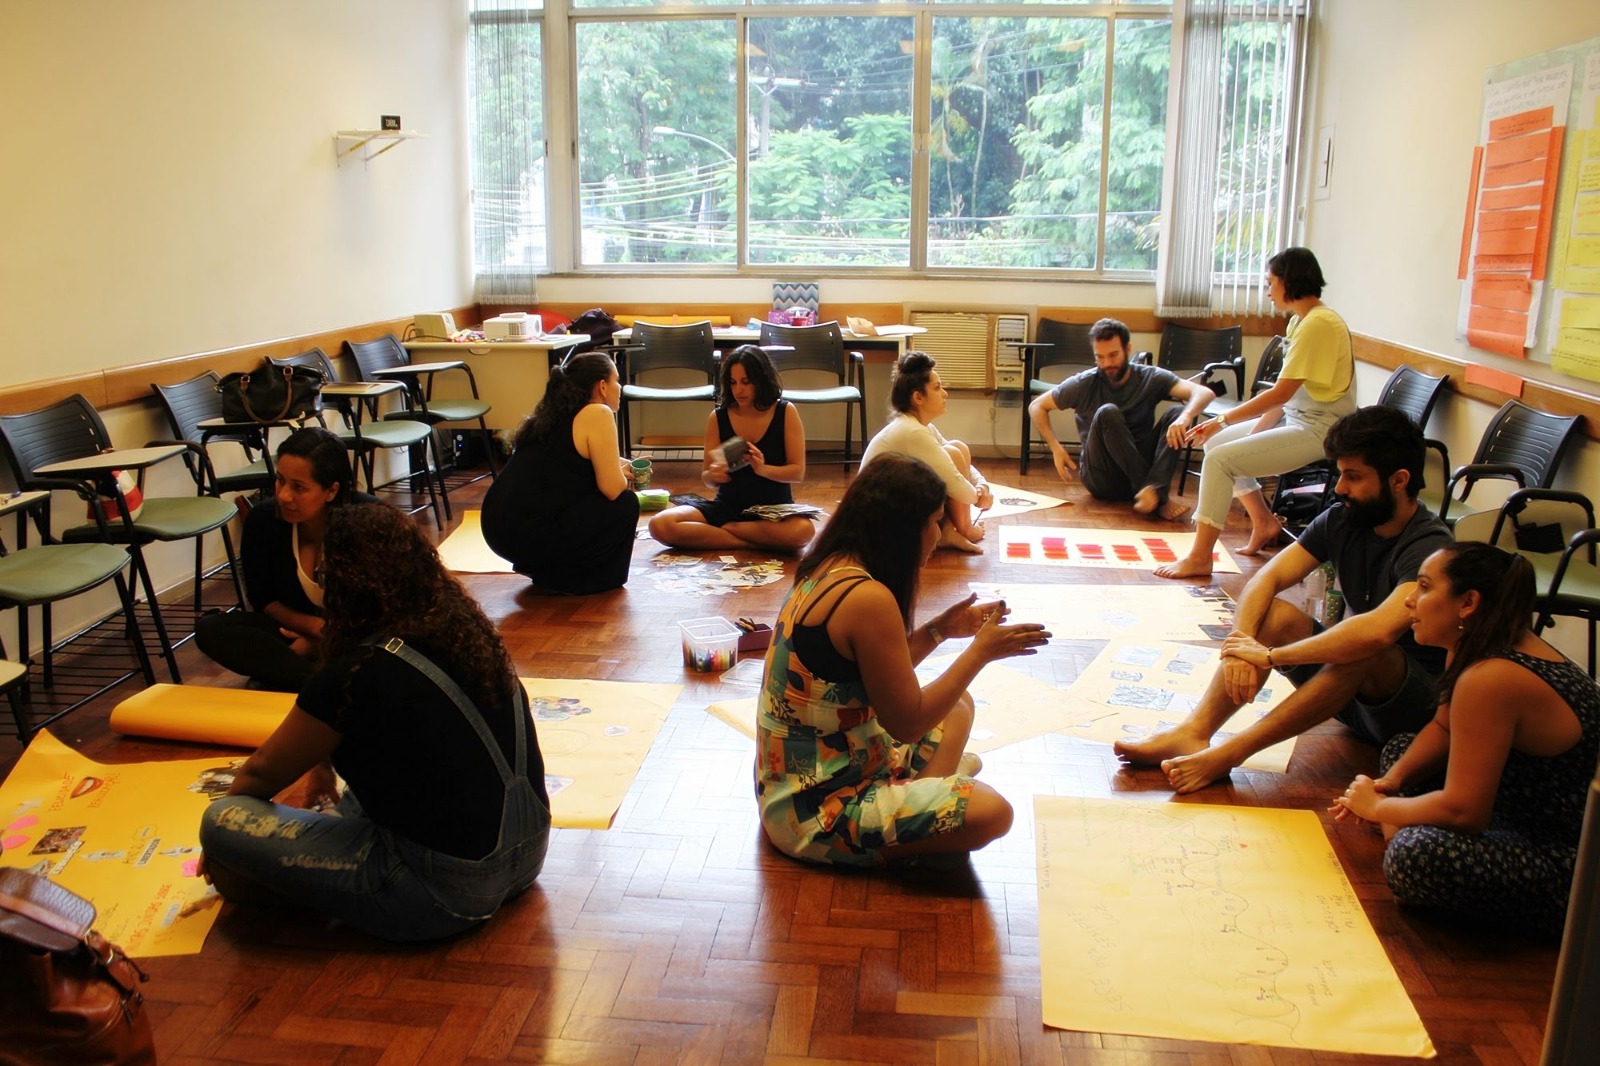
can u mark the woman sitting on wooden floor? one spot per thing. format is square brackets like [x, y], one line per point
[418, 708]
[1516, 737]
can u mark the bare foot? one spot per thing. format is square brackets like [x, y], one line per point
[951, 539]
[1190, 773]
[1262, 539]
[975, 533]
[1175, 510]
[1185, 567]
[1146, 500]
[969, 765]
[1158, 746]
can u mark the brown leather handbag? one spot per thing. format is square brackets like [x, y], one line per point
[67, 996]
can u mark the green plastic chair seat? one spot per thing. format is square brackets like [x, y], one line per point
[253, 476]
[1581, 582]
[655, 392]
[442, 411]
[398, 433]
[836, 394]
[164, 518]
[52, 572]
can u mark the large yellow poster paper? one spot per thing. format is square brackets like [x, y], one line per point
[126, 837]
[1199, 922]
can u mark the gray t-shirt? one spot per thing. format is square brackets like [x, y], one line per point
[1369, 567]
[1140, 392]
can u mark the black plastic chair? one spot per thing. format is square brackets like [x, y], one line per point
[365, 438]
[385, 358]
[1521, 444]
[1055, 343]
[189, 403]
[690, 347]
[72, 429]
[820, 349]
[1192, 353]
[42, 575]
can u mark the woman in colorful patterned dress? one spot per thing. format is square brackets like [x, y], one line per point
[1516, 737]
[858, 763]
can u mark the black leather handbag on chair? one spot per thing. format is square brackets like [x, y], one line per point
[272, 394]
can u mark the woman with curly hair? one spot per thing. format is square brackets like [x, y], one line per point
[1516, 737]
[418, 708]
[561, 512]
[857, 762]
[919, 397]
[754, 507]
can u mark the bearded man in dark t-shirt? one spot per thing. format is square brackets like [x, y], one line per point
[1127, 453]
[1367, 670]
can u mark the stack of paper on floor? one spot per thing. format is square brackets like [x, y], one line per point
[1114, 549]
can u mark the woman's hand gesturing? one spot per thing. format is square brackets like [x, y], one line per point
[995, 640]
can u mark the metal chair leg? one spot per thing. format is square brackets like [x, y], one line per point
[167, 651]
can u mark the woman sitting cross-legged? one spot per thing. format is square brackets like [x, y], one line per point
[857, 763]
[418, 708]
[561, 512]
[1516, 738]
[919, 397]
[753, 502]
[275, 645]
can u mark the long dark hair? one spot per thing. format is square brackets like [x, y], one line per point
[760, 371]
[911, 376]
[383, 579]
[327, 456]
[1504, 584]
[571, 385]
[880, 521]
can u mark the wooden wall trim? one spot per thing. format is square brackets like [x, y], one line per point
[1556, 399]
[131, 383]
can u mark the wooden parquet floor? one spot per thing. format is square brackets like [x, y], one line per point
[678, 937]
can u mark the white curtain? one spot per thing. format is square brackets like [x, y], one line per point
[508, 161]
[1232, 173]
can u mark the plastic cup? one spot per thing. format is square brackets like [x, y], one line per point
[642, 470]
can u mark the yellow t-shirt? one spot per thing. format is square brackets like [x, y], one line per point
[1319, 354]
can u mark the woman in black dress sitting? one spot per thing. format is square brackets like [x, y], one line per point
[561, 512]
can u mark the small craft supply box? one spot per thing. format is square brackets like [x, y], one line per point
[754, 641]
[710, 645]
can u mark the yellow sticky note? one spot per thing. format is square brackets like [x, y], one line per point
[1586, 215]
[1580, 313]
[1584, 252]
[1589, 176]
[1580, 279]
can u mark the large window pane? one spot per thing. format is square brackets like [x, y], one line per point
[830, 133]
[1014, 151]
[1142, 60]
[508, 156]
[656, 169]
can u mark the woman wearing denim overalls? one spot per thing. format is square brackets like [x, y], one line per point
[417, 707]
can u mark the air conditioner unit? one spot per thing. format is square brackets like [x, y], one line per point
[963, 344]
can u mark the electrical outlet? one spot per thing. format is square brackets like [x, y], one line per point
[992, 414]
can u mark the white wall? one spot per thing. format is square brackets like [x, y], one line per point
[1402, 83]
[168, 184]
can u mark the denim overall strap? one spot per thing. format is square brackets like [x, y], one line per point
[425, 666]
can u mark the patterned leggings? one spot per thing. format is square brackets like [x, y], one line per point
[1500, 876]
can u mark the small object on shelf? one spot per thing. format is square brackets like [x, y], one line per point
[389, 123]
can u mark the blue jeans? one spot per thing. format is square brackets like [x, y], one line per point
[347, 866]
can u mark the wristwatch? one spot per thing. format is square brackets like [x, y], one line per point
[1222, 421]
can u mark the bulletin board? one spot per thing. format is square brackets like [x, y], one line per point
[1530, 248]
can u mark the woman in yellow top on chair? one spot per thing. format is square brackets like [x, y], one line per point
[1280, 428]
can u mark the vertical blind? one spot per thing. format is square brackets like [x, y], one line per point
[1232, 178]
[508, 144]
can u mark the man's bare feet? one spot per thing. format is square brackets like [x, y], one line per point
[1146, 500]
[949, 538]
[1186, 567]
[1190, 773]
[1262, 538]
[1159, 746]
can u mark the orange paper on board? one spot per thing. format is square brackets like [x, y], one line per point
[1505, 242]
[1547, 209]
[1522, 122]
[1472, 207]
[1506, 344]
[1514, 197]
[1514, 174]
[1522, 218]
[1505, 294]
[1503, 264]
[1492, 320]
[1499, 380]
[1518, 149]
